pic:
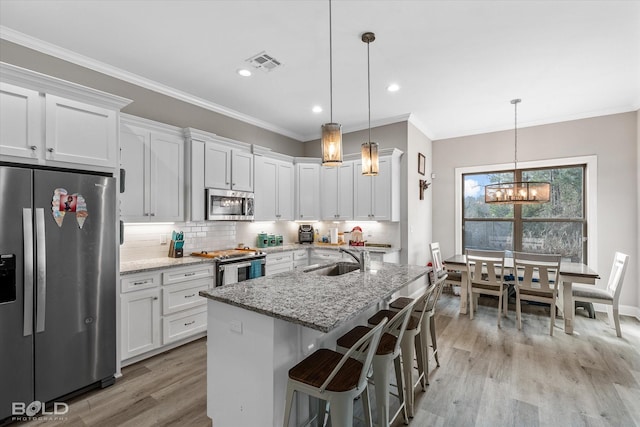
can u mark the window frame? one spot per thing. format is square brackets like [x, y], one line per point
[590, 195]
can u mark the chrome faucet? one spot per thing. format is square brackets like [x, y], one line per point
[360, 260]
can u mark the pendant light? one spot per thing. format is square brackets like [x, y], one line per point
[519, 193]
[331, 132]
[369, 148]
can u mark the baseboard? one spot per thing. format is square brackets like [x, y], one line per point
[625, 310]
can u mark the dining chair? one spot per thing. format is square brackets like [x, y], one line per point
[539, 281]
[454, 278]
[485, 276]
[336, 378]
[608, 296]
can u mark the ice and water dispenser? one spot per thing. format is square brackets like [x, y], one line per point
[7, 278]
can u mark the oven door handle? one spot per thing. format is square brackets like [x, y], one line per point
[242, 265]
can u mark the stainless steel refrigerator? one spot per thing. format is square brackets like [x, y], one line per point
[57, 284]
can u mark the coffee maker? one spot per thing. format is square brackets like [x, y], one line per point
[305, 233]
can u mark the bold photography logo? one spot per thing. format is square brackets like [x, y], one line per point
[38, 409]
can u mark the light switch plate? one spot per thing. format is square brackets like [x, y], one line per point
[235, 326]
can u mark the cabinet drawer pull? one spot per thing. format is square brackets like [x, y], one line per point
[189, 274]
[144, 282]
[190, 296]
[50, 150]
[34, 147]
[190, 323]
[155, 298]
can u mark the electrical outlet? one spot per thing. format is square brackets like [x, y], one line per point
[163, 239]
[235, 326]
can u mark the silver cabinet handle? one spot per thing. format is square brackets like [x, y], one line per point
[27, 236]
[190, 323]
[34, 147]
[41, 268]
[155, 298]
[189, 274]
[50, 150]
[153, 214]
[190, 296]
[144, 282]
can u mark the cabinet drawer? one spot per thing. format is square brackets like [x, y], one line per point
[182, 274]
[279, 258]
[135, 282]
[184, 295]
[184, 324]
[301, 254]
[278, 268]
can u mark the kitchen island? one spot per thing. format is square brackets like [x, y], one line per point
[259, 329]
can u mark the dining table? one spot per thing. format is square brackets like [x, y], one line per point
[570, 272]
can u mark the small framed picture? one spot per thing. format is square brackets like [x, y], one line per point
[421, 162]
[68, 203]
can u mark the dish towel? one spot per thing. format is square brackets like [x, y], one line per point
[230, 274]
[255, 269]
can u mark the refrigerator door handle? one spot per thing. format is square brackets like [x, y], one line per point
[41, 268]
[27, 236]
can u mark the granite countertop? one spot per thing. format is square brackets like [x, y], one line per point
[130, 267]
[296, 246]
[334, 299]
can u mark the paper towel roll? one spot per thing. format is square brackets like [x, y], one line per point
[333, 235]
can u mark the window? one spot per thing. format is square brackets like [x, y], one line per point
[559, 226]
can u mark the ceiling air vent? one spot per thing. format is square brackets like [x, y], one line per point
[264, 61]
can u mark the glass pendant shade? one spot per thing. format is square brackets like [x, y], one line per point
[370, 158]
[518, 192]
[331, 144]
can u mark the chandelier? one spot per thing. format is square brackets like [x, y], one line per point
[517, 192]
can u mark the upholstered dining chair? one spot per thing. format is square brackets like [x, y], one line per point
[485, 275]
[539, 281]
[608, 296]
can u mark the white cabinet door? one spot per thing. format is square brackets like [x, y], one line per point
[217, 167]
[196, 181]
[80, 133]
[285, 191]
[134, 148]
[363, 192]
[140, 322]
[336, 188]
[265, 202]
[381, 195]
[308, 191]
[328, 196]
[241, 171]
[20, 132]
[273, 189]
[167, 178]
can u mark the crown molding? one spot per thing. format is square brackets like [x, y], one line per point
[109, 70]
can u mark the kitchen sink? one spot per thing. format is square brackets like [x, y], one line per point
[337, 269]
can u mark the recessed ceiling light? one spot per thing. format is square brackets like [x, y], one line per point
[317, 109]
[244, 72]
[393, 87]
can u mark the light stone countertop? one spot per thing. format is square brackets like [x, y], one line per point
[318, 302]
[131, 267]
[295, 246]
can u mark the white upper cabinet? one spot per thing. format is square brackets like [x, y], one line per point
[308, 191]
[80, 133]
[152, 155]
[377, 198]
[336, 192]
[273, 189]
[50, 122]
[228, 168]
[20, 133]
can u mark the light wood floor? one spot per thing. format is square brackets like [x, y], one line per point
[488, 377]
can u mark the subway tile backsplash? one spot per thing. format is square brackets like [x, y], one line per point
[143, 241]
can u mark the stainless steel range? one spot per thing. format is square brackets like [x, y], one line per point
[236, 265]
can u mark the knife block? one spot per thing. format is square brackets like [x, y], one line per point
[173, 252]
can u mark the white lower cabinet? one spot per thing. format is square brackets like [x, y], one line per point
[140, 312]
[162, 308]
[300, 258]
[279, 263]
[324, 256]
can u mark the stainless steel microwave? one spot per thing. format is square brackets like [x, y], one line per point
[226, 205]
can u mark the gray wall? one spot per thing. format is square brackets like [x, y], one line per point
[418, 212]
[613, 139]
[149, 104]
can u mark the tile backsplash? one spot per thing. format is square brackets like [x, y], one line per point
[144, 241]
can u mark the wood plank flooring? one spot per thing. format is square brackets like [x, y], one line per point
[489, 376]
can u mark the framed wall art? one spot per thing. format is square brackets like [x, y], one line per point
[421, 162]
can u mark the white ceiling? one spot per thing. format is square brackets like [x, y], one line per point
[458, 63]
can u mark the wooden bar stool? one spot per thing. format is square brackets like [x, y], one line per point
[428, 324]
[336, 378]
[387, 353]
[412, 343]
